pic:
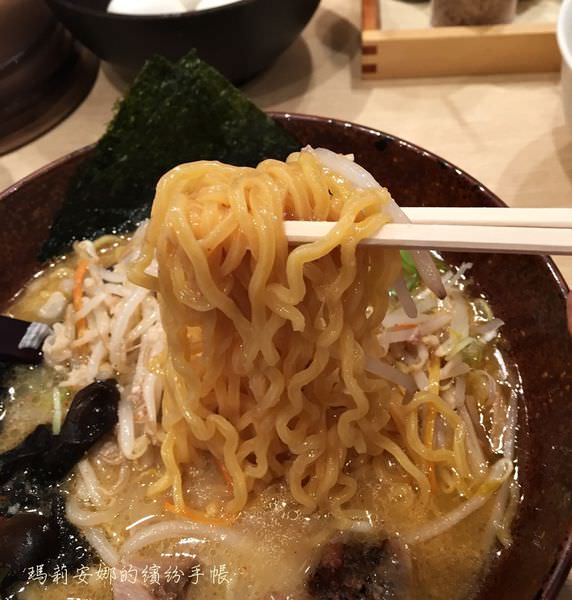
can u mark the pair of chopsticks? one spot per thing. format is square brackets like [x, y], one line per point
[506, 230]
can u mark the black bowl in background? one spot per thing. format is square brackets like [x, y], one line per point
[44, 73]
[239, 39]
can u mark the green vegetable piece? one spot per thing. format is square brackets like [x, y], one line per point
[174, 113]
[412, 277]
[407, 262]
[473, 354]
[410, 273]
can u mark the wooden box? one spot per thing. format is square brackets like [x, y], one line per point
[398, 41]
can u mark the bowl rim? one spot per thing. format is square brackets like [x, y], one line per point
[283, 115]
[558, 573]
[562, 34]
[190, 14]
[547, 260]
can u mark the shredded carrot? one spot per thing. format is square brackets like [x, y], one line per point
[77, 293]
[225, 474]
[403, 326]
[199, 517]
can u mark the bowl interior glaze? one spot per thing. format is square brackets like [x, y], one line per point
[526, 292]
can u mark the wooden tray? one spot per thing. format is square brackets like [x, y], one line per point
[525, 46]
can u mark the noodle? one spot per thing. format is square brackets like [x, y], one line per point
[102, 546]
[173, 529]
[498, 474]
[263, 318]
[254, 328]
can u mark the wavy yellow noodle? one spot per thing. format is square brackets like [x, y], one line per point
[267, 344]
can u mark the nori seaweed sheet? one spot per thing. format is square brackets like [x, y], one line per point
[174, 113]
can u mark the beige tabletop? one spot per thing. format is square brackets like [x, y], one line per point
[508, 132]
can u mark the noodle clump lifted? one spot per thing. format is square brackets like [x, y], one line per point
[268, 345]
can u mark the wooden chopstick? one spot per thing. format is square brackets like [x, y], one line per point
[456, 238]
[494, 217]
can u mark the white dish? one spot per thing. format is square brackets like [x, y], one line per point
[160, 7]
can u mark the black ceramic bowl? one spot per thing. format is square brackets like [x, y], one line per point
[527, 292]
[44, 73]
[239, 39]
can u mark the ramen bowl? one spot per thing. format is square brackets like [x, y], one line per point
[239, 39]
[526, 292]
